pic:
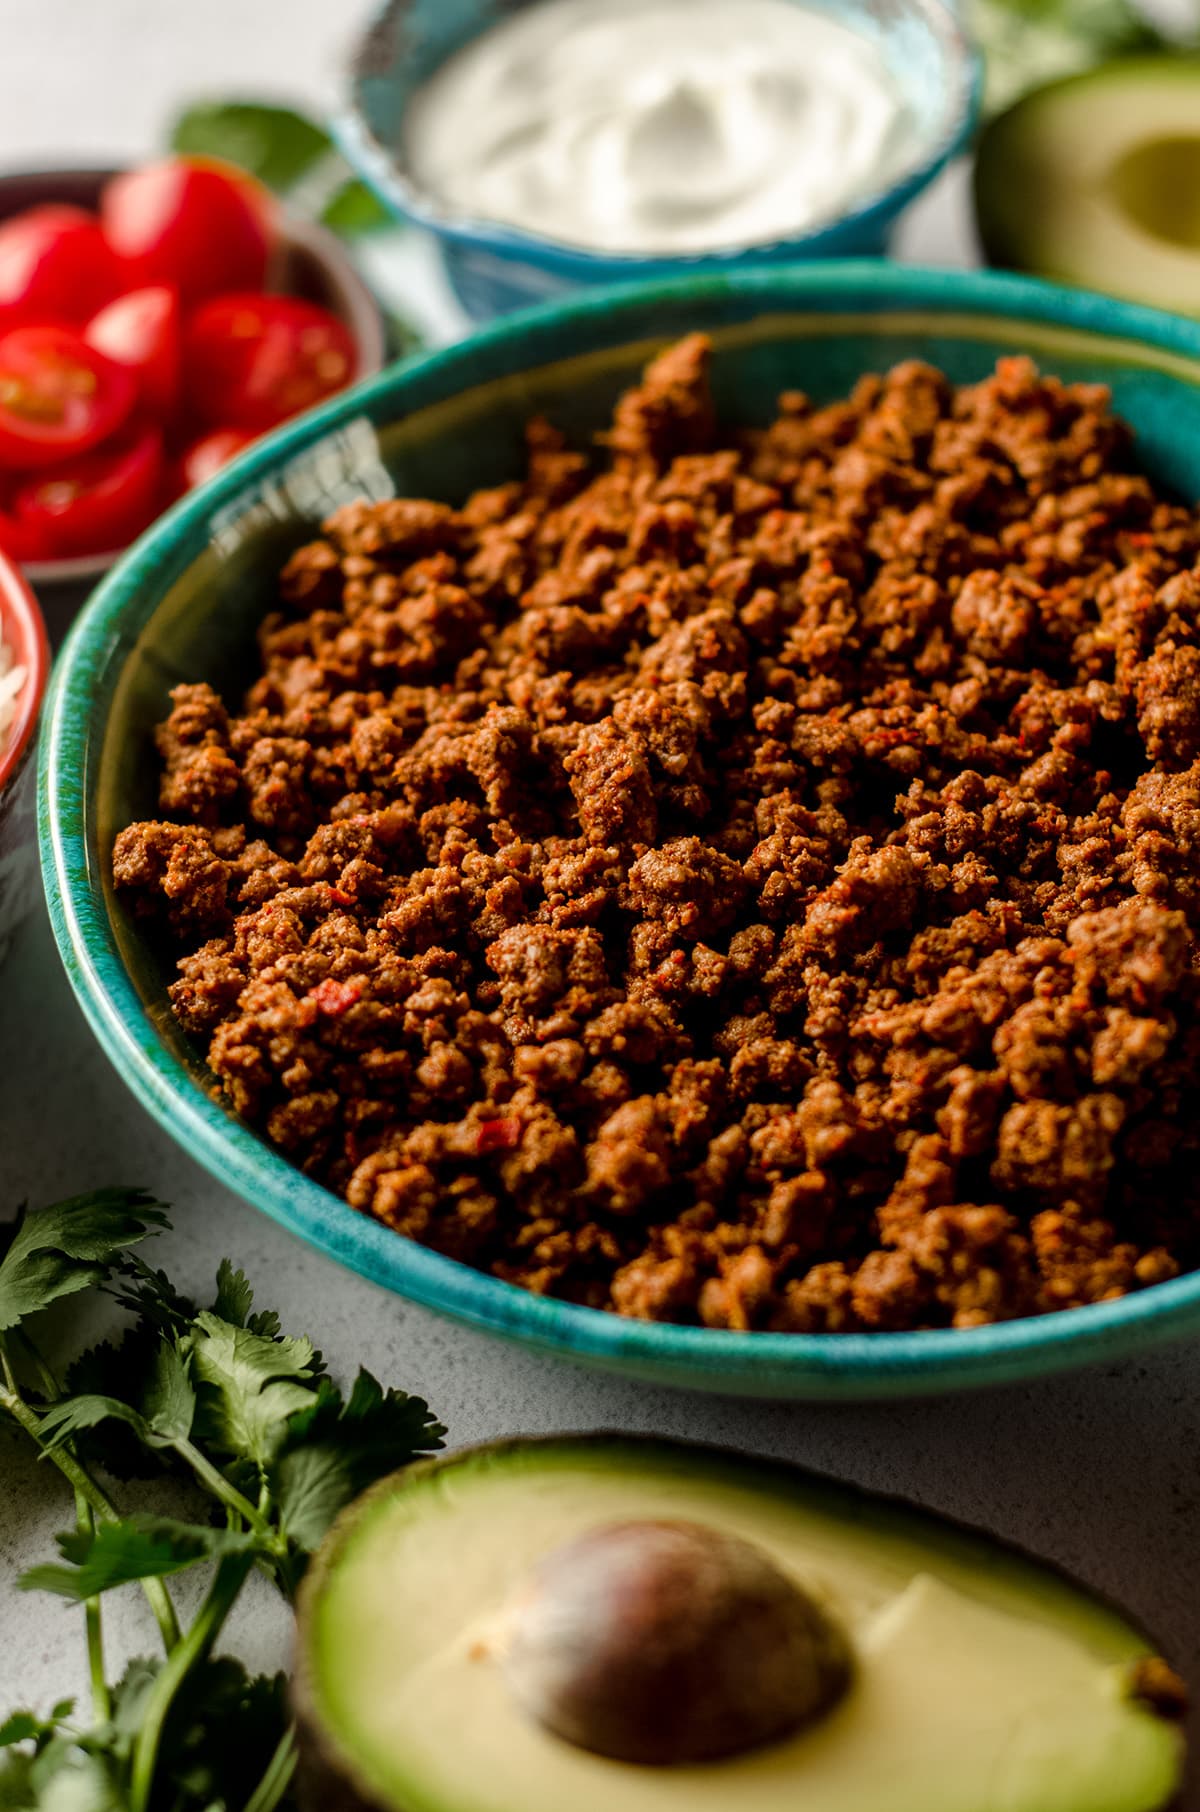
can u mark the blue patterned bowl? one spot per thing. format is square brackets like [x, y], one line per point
[184, 603]
[494, 268]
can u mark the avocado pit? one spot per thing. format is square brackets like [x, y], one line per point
[664, 1642]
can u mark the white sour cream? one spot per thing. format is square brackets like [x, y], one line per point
[660, 125]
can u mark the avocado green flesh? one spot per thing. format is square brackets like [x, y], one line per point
[1095, 180]
[984, 1683]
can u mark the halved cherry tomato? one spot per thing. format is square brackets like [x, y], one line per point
[12, 315]
[22, 541]
[58, 396]
[209, 454]
[94, 505]
[252, 360]
[55, 262]
[142, 331]
[197, 223]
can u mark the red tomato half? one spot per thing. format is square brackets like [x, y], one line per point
[142, 331]
[20, 541]
[252, 360]
[96, 504]
[55, 261]
[58, 396]
[12, 315]
[193, 222]
[208, 455]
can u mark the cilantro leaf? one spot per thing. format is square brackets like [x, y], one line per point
[355, 209]
[28, 1727]
[169, 1402]
[127, 1370]
[332, 1450]
[67, 1777]
[152, 1297]
[235, 1298]
[129, 1698]
[249, 1384]
[389, 1423]
[311, 1486]
[164, 1416]
[59, 1251]
[23, 1727]
[196, 1774]
[276, 144]
[80, 1770]
[138, 1547]
[17, 1792]
[73, 1414]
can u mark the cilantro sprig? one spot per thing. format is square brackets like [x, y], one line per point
[272, 1450]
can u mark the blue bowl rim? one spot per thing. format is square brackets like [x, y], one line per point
[851, 1365]
[383, 175]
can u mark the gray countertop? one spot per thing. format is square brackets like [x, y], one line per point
[1100, 1473]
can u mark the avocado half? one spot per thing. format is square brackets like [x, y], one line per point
[964, 1676]
[1095, 181]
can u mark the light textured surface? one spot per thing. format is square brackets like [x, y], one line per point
[1100, 1473]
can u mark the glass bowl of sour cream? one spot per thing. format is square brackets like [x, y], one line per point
[557, 143]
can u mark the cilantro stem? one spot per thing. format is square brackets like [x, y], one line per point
[277, 1775]
[101, 1699]
[219, 1485]
[85, 1519]
[190, 1649]
[81, 1481]
[27, 1418]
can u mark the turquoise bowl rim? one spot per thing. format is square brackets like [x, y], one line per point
[848, 1366]
[362, 148]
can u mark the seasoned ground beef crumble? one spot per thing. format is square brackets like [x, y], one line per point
[752, 883]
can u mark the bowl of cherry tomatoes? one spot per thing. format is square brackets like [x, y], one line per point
[153, 322]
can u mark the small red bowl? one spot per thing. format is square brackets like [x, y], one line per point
[24, 632]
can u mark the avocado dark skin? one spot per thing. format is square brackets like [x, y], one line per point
[327, 1778]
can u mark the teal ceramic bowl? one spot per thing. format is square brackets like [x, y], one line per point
[183, 604]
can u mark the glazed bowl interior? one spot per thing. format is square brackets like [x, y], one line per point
[183, 605]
